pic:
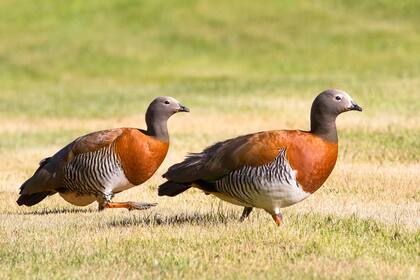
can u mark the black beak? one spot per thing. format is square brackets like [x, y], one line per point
[182, 108]
[355, 107]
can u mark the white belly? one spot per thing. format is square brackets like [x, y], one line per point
[271, 197]
[271, 186]
[279, 196]
[117, 183]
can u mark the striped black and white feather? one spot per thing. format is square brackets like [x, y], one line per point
[97, 173]
[268, 186]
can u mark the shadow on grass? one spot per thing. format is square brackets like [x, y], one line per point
[210, 218]
[51, 211]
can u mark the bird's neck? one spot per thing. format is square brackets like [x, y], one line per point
[323, 125]
[157, 126]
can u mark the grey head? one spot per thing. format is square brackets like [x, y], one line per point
[325, 109]
[158, 113]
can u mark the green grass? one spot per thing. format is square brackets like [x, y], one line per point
[96, 59]
[214, 245]
[68, 68]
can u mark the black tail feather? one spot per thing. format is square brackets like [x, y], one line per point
[32, 199]
[172, 189]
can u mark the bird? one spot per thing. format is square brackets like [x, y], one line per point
[269, 170]
[98, 165]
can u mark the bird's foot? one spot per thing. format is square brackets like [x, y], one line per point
[277, 218]
[245, 213]
[141, 205]
[130, 205]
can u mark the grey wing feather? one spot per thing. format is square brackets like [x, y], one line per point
[49, 175]
[187, 170]
[211, 164]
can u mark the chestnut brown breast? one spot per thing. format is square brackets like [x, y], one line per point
[312, 157]
[140, 154]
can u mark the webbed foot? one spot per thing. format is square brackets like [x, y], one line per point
[130, 205]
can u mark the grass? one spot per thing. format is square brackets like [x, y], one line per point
[68, 69]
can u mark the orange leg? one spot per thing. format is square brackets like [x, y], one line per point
[277, 218]
[130, 205]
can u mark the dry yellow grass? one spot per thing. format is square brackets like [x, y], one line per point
[68, 69]
[345, 229]
[387, 191]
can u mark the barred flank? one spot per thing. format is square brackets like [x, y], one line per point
[88, 173]
[245, 183]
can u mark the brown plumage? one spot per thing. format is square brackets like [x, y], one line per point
[140, 155]
[100, 164]
[270, 169]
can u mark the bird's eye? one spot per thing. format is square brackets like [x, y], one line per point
[167, 102]
[338, 98]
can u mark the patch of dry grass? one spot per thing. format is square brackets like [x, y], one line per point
[366, 215]
[69, 69]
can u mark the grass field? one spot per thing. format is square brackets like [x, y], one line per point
[68, 68]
